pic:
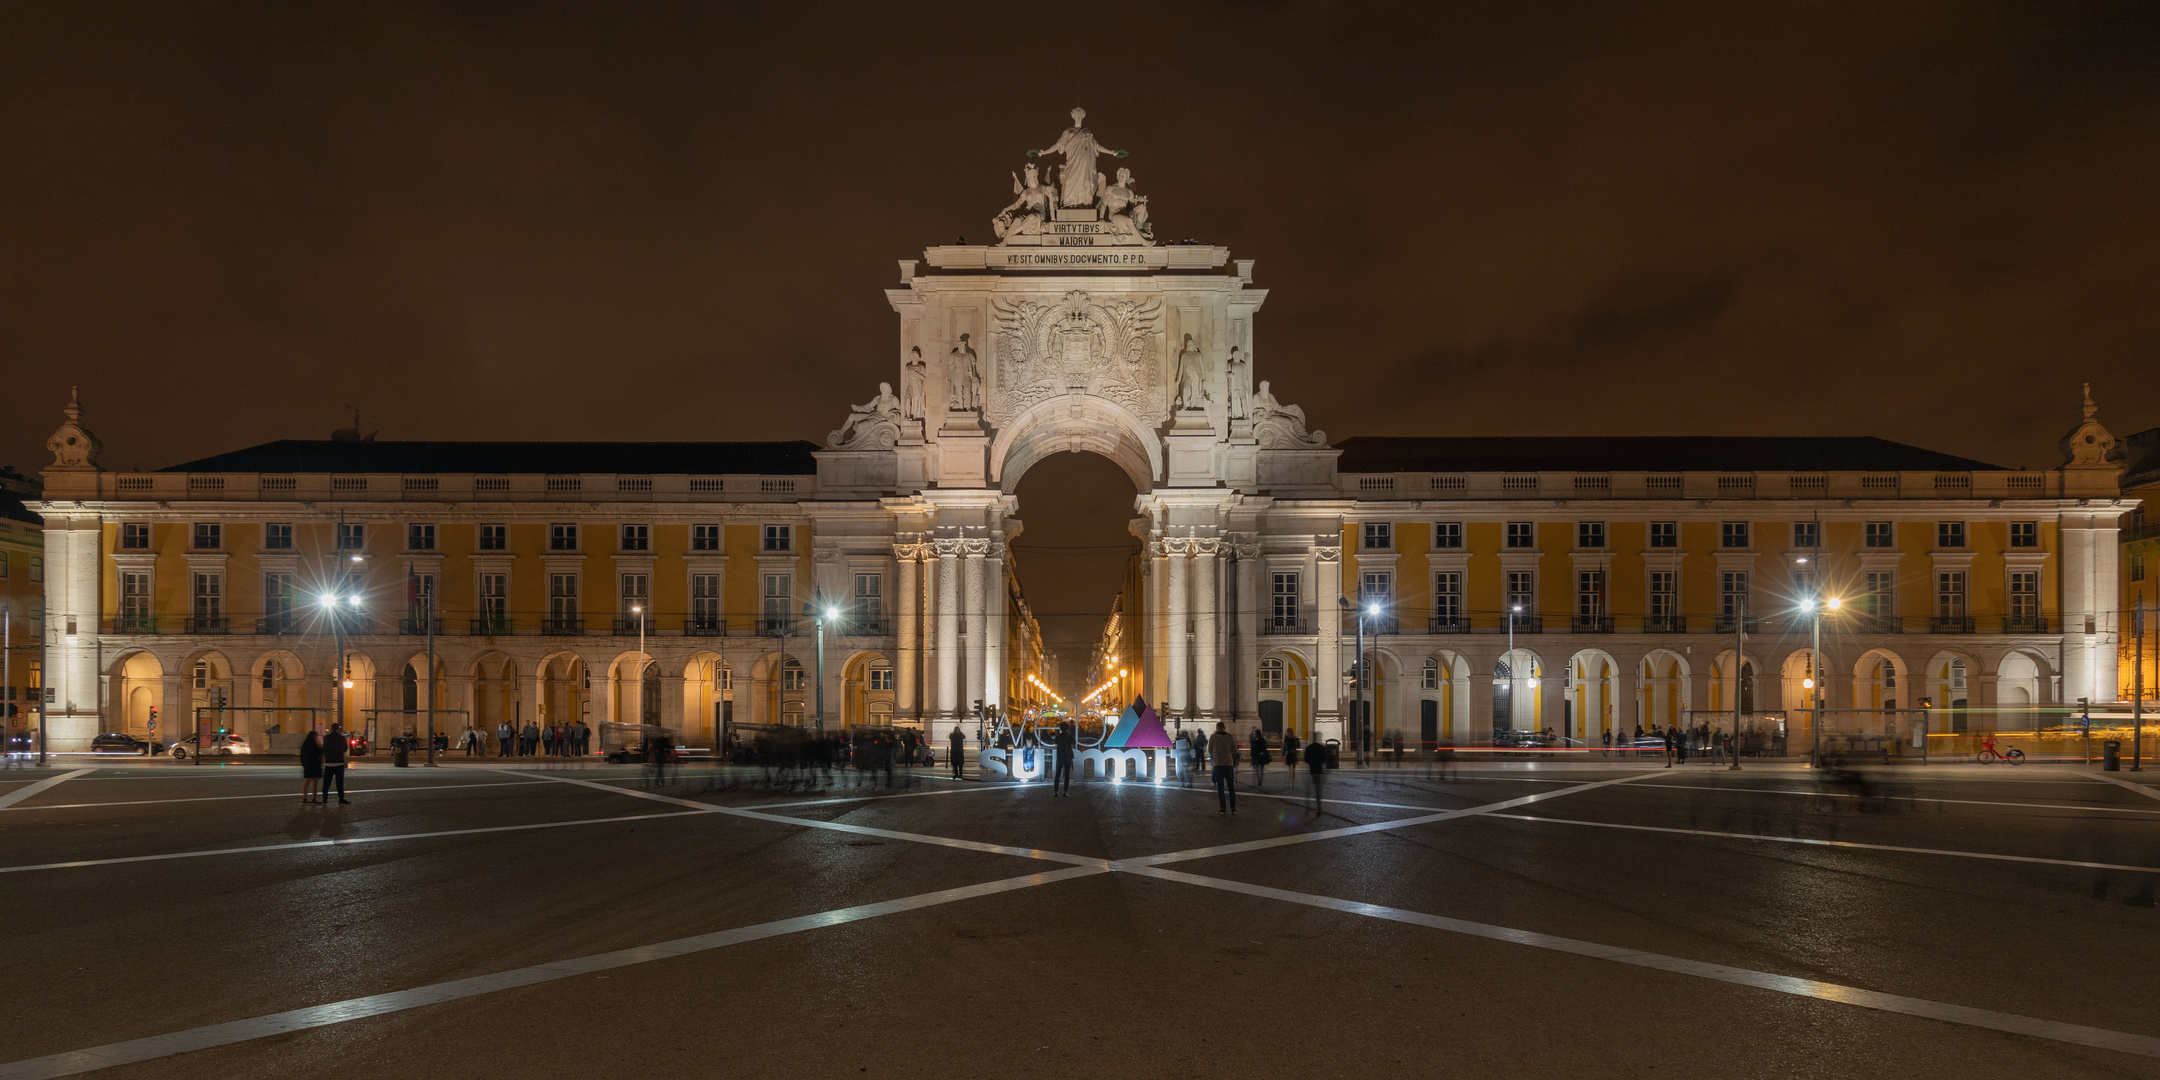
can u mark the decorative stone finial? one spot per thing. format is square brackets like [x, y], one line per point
[2089, 445]
[73, 446]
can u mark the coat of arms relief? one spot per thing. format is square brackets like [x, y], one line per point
[1081, 344]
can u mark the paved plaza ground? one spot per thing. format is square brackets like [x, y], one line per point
[1514, 919]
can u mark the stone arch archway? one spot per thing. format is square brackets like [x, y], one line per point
[1075, 424]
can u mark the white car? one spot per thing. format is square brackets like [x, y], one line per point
[221, 746]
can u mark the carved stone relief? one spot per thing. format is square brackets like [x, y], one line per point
[1106, 348]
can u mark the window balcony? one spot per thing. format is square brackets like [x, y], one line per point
[1591, 624]
[418, 627]
[1724, 625]
[132, 624]
[1950, 624]
[1877, 624]
[704, 626]
[282, 623]
[208, 624]
[1376, 625]
[1449, 624]
[1664, 624]
[1523, 624]
[775, 624]
[2024, 624]
[562, 626]
[1277, 628]
[861, 628]
[630, 627]
[492, 626]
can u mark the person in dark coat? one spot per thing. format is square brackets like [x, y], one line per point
[1316, 764]
[334, 750]
[1062, 764]
[1260, 758]
[959, 748]
[1289, 755]
[311, 769]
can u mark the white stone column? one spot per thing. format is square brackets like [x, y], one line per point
[948, 628]
[994, 682]
[1207, 630]
[907, 703]
[1156, 662]
[1245, 673]
[1179, 620]
[72, 576]
[1327, 623]
[975, 609]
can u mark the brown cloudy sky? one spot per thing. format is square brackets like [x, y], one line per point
[520, 220]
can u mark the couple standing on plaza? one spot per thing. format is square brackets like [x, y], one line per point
[322, 764]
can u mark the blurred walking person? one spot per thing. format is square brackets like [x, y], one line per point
[1316, 764]
[1222, 747]
[311, 768]
[1260, 758]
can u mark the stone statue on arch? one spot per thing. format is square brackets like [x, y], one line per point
[1079, 180]
[963, 371]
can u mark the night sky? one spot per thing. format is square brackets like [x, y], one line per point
[226, 222]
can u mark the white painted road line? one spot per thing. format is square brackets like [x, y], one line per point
[2076, 1034]
[1853, 844]
[2142, 789]
[338, 842]
[19, 794]
[1357, 830]
[338, 1012]
[1910, 798]
[279, 795]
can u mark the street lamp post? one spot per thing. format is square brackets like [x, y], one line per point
[427, 613]
[827, 612]
[1816, 606]
[639, 611]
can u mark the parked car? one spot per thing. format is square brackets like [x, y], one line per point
[119, 742]
[220, 746]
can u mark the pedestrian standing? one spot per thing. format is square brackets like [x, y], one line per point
[1669, 743]
[1222, 747]
[1062, 764]
[1607, 752]
[1260, 758]
[1289, 755]
[311, 768]
[1183, 753]
[1316, 764]
[958, 742]
[333, 763]
[502, 738]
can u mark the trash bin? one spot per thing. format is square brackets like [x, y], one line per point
[1334, 754]
[403, 752]
[2111, 756]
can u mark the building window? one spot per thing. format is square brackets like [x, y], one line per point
[495, 597]
[279, 596]
[869, 601]
[494, 538]
[1379, 536]
[1949, 534]
[1950, 594]
[705, 601]
[779, 538]
[1804, 584]
[135, 536]
[202, 674]
[351, 536]
[1521, 534]
[135, 596]
[1447, 598]
[563, 599]
[793, 678]
[1875, 599]
[1447, 534]
[1590, 594]
[420, 598]
[1376, 587]
[1664, 594]
[881, 677]
[2025, 593]
[1590, 534]
[1733, 594]
[1271, 674]
[37, 568]
[1521, 592]
[777, 602]
[636, 596]
[1733, 534]
[1284, 611]
[419, 537]
[1806, 534]
[209, 536]
[209, 597]
[637, 538]
[1881, 534]
[277, 536]
[704, 537]
[2024, 534]
[562, 537]
[1432, 674]
[1664, 534]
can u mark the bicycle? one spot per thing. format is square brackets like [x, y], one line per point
[1988, 754]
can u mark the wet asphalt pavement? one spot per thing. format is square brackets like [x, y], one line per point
[1629, 920]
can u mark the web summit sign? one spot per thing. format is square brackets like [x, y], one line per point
[1137, 747]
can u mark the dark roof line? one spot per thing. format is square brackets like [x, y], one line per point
[1643, 453]
[635, 458]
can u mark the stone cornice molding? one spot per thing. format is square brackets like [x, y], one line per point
[945, 547]
[1327, 553]
[910, 552]
[975, 548]
[1177, 545]
[1208, 546]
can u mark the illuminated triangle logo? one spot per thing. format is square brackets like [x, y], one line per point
[1139, 728]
